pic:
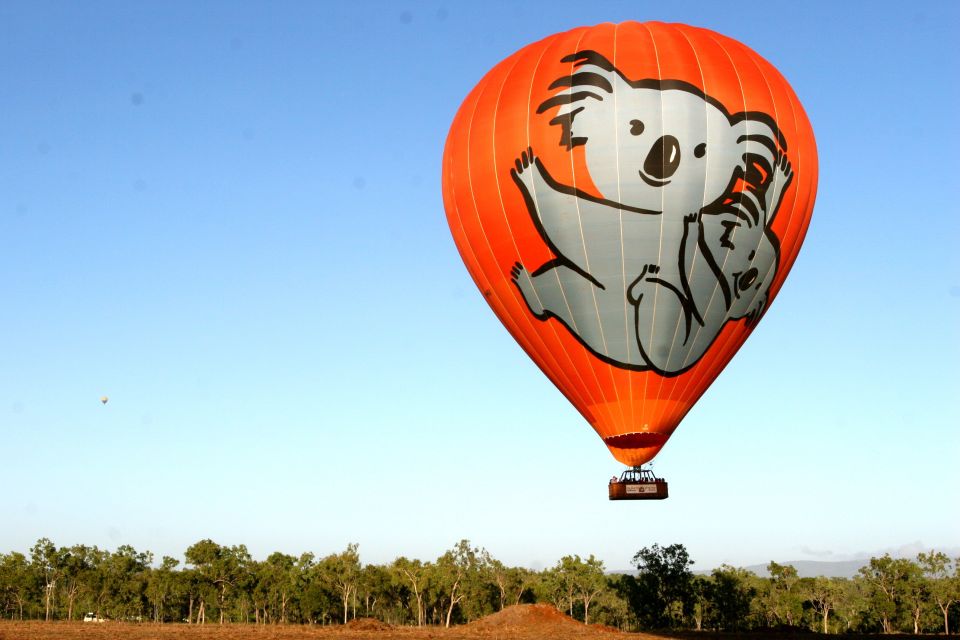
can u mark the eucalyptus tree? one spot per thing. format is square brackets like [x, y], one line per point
[730, 594]
[452, 573]
[824, 596]
[76, 576]
[589, 582]
[277, 579]
[18, 584]
[162, 586]
[944, 587]
[786, 601]
[512, 583]
[916, 594]
[560, 581]
[701, 592]
[220, 567]
[122, 581]
[47, 561]
[415, 575]
[342, 572]
[375, 589]
[889, 580]
[661, 593]
[853, 607]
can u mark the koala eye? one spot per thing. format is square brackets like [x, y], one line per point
[636, 127]
[748, 279]
[700, 150]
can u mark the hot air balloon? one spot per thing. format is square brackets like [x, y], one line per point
[104, 399]
[629, 199]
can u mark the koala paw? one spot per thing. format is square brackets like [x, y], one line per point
[650, 269]
[525, 161]
[691, 217]
[784, 169]
[643, 283]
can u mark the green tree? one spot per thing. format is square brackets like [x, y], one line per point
[824, 595]
[47, 561]
[944, 587]
[415, 574]
[277, 580]
[561, 581]
[17, 582]
[888, 580]
[854, 603]
[589, 582]
[342, 570]
[374, 589]
[916, 594]
[729, 595]
[662, 590]
[121, 581]
[701, 591]
[786, 602]
[611, 604]
[452, 570]
[220, 567]
[76, 575]
[161, 586]
[318, 600]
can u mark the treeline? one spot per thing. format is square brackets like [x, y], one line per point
[219, 584]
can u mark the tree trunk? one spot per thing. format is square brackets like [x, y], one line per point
[453, 601]
[523, 588]
[826, 614]
[190, 611]
[450, 612]
[346, 603]
[222, 598]
[416, 591]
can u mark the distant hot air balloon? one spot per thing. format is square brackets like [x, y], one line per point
[629, 198]
[104, 399]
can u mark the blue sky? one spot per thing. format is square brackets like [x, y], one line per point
[227, 218]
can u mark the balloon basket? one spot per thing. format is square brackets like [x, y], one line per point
[637, 484]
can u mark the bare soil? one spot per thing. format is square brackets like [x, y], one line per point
[522, 622]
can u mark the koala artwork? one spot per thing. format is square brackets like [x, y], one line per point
[678, 243]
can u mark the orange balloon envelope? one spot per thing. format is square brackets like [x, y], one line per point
[629, 198]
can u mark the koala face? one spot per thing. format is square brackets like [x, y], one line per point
[660, 150]
[744, 253]
[656, 145]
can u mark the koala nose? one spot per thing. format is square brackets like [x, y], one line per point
[663, 159]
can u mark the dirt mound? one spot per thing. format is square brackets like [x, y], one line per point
[527, 615]
[368, 624]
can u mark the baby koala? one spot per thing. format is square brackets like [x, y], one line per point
[678, 242]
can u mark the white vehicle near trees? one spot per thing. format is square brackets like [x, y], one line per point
[93, 617]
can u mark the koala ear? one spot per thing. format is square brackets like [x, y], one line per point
[591, 81]
[761, 146]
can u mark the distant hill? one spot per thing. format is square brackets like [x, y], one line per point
[814, 568]
[835, 569]
[805, 568]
